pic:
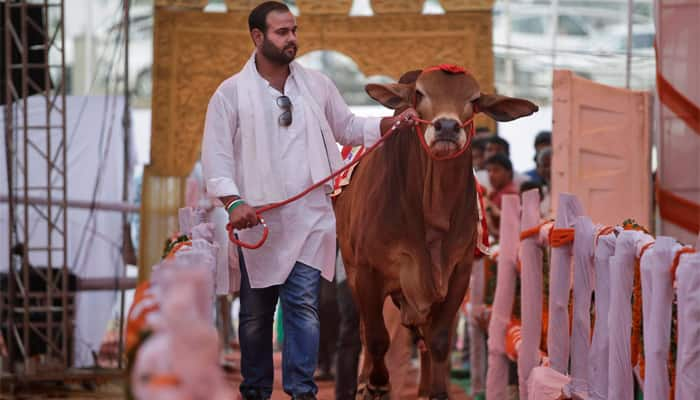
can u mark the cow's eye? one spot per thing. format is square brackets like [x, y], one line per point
[419, 96]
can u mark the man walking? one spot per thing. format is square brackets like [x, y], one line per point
[270, 132]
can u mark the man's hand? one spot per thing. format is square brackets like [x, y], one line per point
[243, 217]
[407, 117]
[401, 121]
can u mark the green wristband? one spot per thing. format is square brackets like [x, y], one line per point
[234, 204]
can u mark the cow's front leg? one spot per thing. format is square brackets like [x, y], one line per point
[439, 339]
[440, 335]
[374, 380]
[425, 380]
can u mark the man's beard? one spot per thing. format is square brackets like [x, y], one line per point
[276, 55]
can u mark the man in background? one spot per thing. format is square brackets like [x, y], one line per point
[500, 172]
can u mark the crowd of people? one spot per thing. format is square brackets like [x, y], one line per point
[495, 173]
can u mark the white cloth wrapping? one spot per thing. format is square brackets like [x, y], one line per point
[477, 337]
[497, 374]
[185, 346]
[583, 287]
[599, 351]
[620, 378]
[559, 285]
[531, 292]
[246, 152]
[688, 361]
[210, 226]
[546, 384]
[657, 324]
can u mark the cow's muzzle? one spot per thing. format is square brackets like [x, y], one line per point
[445, 138]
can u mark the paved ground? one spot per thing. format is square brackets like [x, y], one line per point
[113, 391]
[326, 391]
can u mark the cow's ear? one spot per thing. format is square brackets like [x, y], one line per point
[391, 95]
[410, 76]
[504, 108]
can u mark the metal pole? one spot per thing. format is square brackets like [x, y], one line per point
[126, 124]
[49, 195]
[25, 151]
[509, 65]
[628, 62]
[555, 29]
[83, 204]
[9, 160]
[67, 316]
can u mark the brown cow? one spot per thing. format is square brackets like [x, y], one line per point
[407, 224]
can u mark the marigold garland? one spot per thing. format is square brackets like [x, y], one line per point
[172, 242]
[637, 339]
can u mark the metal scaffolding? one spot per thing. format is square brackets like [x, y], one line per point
[37, 307]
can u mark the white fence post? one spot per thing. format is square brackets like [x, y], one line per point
[531, 291]
[656, 266]
[620, 378]
[581, 327]
[559, 284]
[497, 374]
[598, 355]
[688, 362]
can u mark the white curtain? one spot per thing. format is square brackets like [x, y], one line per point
[95, 167]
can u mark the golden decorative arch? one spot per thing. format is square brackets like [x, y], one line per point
[194, 51]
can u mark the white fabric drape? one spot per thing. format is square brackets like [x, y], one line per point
[477, 336]
[620, 378]
[583, 287]
[656, 266]
[688, 361]
[95, 169]
[546, 384]
[497, 374]
[598, 355]
[531, 292]
[559, 285]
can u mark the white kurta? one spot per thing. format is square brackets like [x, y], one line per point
[303, 231]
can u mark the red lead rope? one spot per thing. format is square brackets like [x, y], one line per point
[320, 183]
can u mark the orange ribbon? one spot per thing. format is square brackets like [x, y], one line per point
[164, 380]
[605, 231]
[677, 259]
[559, 237]
[677, 209]
[534, 231]
[676, 101]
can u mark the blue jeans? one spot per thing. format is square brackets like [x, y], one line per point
[299, 296]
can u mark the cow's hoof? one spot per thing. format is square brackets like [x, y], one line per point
[370, 392]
